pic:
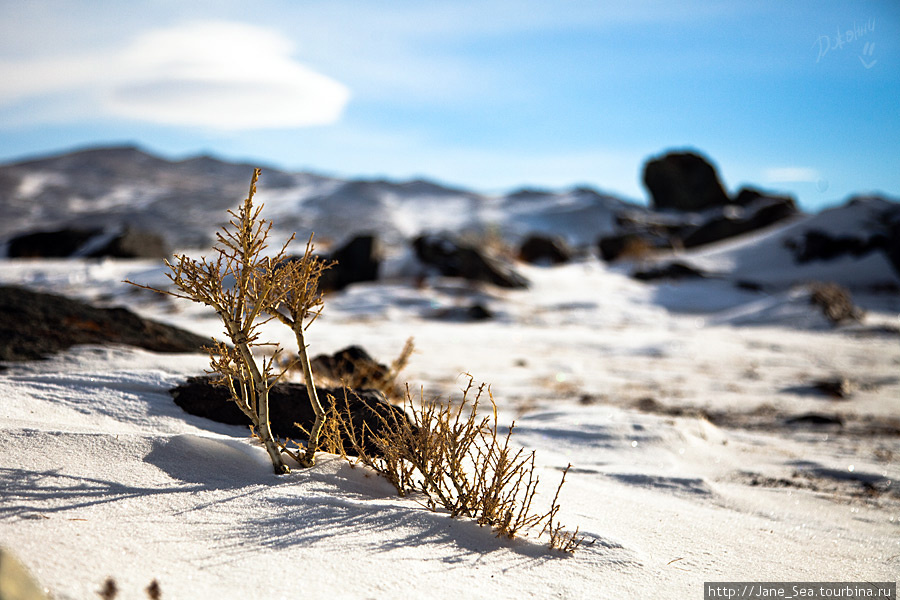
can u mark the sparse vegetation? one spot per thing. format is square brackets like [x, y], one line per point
[450, 458]
[247, 289]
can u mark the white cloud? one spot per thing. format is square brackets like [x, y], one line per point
[791, 175]
[215, 75]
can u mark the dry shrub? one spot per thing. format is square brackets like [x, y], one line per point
[451, 458]
[248, 287]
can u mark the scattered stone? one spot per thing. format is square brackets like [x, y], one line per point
[835, 302]
[353, 366]
[750, 195]
[631, 245]
[729, 225]
[132, 243]
[34, 325]
[15, 581]
[818, 245]
[839, 387]
[50, 244]
[539, 249]
[465, 314]
[288, 407]
[683, 181]
[673, 270]
[452, 259]
[750, 286]
[91, 243]
[355, 262]
[815, 419]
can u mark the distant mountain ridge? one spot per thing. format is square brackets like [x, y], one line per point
[185, 201]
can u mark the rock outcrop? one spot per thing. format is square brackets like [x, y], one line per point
[34, 325]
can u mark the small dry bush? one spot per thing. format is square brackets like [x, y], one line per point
[249, 286]
[451, 458]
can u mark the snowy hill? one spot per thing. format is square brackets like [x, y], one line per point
[185, 201]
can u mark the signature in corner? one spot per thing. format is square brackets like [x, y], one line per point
[868, 49]
[826, 43]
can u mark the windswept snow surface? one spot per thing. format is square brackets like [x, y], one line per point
[684, 469]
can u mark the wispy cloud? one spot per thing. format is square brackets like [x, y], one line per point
[791, 175]
[214, 75]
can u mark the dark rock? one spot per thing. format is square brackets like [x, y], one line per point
[631, 245]
[93, 243]
[133, 243]
[750, 286]
[544, 250]
[683, 181]
[352, 366]
[50, 244]
[34, 325]
[771, 211]
[818, 245]
[839, 387]
[892, 239]
[289, 404]
[472, 313]
[673, 270]
[750, 195]
[357, 261]
[815, 419]
[452, 259]
[835, 302]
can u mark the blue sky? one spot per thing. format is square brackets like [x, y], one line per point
[800, 97]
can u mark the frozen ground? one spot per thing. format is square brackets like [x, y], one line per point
[672, 402]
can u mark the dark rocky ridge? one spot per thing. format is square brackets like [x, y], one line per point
[34, 325]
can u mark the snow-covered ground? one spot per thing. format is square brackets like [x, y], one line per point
[671, 401]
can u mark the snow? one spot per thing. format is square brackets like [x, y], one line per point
[101, 474]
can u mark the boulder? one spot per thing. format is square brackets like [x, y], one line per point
[94, 243]
[631, 245]
[132, 243]
[50, 244]
[289, 406]
[355, 262]
[818, 245]
[464, 314]
[352, 366]
[34, 325]
[673, 270]
[683, 181]
[539, 249]
[452, 259]
[763, 213]
[750, 195]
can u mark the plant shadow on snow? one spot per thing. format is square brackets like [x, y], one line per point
[190, 459]
[367, 513]
[29, 494]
